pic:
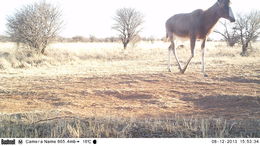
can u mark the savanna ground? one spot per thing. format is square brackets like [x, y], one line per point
[100, 90]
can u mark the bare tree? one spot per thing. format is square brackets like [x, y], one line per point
[248, 27]
[92, 38]
[228, 32]
[128, 24]
[78, 39]
[35, 25]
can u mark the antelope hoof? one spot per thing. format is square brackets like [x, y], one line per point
[205, 75]
[182, 72]
[169, 70]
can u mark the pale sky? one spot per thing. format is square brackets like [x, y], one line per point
[94, 17]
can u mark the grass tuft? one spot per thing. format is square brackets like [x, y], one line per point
[174, 127]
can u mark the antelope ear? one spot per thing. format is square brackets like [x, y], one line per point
[220, 2]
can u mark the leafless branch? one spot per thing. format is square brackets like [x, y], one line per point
[35, 25]
[228, 32]
[128, 23]
[248, 26]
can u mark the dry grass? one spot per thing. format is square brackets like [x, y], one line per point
[97, 58]
[96, 81]
[31, 126]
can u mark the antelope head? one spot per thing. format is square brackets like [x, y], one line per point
[225, 10]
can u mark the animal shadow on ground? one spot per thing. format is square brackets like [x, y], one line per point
[241, 80]
[227, 105]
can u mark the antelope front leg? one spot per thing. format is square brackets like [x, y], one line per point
[192, 46]
[169, 58]
[175, 55]
[173, 49]
[203, 57]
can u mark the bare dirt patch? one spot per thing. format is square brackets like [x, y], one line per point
[132, 83]
[98, 90]
[137, 95]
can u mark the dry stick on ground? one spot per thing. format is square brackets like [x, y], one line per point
[56, 118]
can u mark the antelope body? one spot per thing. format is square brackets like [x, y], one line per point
[193, 26]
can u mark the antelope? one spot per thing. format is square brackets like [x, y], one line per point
[193, 26]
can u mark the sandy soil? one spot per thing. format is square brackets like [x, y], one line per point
[135, 95]
[139, 87]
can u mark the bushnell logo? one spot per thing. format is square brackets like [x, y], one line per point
[8, 142]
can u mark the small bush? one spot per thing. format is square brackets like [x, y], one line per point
[35, 25]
